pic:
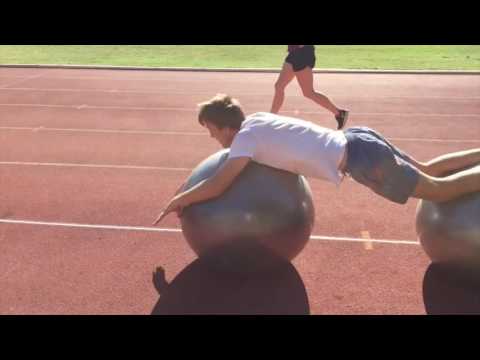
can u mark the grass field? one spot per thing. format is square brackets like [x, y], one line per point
[415, 57]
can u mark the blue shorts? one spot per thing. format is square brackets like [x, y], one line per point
[374, 162]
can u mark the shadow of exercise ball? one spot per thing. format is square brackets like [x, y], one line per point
[451, 290]
[449, 232]
[265, 210]
[197, 290]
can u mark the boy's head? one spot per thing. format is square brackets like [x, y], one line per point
[222, 116]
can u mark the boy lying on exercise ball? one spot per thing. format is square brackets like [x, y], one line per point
[310, 150]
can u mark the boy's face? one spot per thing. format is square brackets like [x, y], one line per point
[223, 136]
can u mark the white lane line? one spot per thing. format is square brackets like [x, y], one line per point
[405, 114]
[93, 107]
[113, 131]
[21, 80]
[169, 74]
[436, 140]
[380, 241]
[173, 92]
[89, 226]
[105, 166]
[86, 107]
[174, 230]
[195, 133]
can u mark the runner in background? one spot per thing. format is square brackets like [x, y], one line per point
[300, 63]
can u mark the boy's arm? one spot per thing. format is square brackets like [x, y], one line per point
[179, 190]
[207, 189]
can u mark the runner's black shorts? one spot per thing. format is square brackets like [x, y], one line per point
[301, 58]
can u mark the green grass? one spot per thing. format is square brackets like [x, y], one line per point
[416, 57]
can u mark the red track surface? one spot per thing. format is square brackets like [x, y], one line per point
[136, 135]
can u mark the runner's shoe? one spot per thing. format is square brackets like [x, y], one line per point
[342, 118]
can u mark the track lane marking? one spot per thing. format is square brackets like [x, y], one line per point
[106, 166]
[176, 230]
[368, 245]
[86, 107]
[170, 92]
[194, 133]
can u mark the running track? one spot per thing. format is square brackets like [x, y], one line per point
[88, 158]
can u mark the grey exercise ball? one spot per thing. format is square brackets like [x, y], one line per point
[265, 210]
[450, 231]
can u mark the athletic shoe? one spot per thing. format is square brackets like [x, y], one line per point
[342, 118]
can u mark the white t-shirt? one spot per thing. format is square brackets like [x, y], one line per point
[291, 144]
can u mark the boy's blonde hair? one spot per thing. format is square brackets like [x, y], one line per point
[222, 111]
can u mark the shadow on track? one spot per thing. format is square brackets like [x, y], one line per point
[201, 289]
[451, 290]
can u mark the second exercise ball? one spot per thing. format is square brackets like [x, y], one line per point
[449, 231]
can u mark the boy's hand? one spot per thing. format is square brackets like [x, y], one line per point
[175, 205]
[206, 189]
